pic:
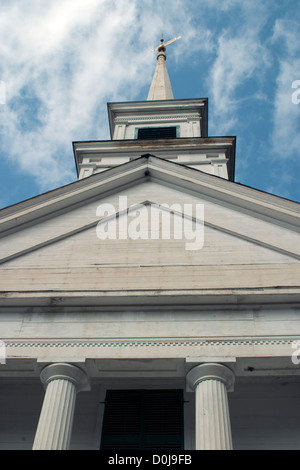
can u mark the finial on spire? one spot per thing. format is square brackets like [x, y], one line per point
[160, 88]
[161, 48]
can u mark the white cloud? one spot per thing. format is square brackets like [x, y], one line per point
[62, 61]
[286, 122]
[238, 60]
[240, 56]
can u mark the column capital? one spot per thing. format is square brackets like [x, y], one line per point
[65, 371]
[210, 371]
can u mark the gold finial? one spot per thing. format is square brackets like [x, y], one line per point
[162, 46]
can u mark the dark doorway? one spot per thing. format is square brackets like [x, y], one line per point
[143, 419]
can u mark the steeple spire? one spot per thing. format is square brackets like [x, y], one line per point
[161, 88]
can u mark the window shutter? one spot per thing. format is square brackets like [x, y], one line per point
[143, 419]
[145, 133]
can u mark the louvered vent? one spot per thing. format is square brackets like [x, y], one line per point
[143, 419]
[156, 133]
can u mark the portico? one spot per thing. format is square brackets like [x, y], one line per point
[207, 389]
[62, 381]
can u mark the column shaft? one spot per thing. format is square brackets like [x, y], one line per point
[213, 430]
[56, 419]
[211, 381]
[62, 381]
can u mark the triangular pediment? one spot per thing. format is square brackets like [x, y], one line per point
[235, 199]
[244, 246]
[172, 233]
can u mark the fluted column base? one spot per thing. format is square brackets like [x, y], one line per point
[211, 382]
[62, 382]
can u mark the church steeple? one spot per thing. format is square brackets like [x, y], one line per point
[161, 88]
[171, 129]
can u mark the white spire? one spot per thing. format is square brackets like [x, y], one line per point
[161, 88]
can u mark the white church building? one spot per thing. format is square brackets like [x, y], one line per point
[153, 304]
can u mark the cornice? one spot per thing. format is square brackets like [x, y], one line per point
[180, 107]
[158, 104]
[271, 208]
[161, 117]
[149, 342]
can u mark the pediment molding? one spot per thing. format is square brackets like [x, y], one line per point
[264, 206]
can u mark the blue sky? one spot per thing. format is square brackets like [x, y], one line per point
[63, 60]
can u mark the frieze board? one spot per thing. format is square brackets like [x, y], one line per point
[162, 117]
[154, 342]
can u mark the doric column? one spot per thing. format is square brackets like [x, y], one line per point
[211, 383]
[62, 382]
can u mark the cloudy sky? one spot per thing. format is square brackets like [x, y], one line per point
[63, 60]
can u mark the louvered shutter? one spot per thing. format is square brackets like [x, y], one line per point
[145, 133]
[143, 419]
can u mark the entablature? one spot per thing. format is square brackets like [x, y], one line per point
[213, 155]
